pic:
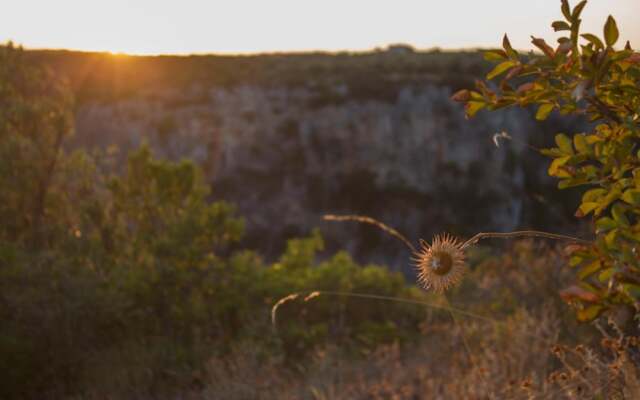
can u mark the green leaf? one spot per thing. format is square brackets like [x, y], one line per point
[632, 290]
[618, 212]
[611, 196]
[501, 68]
[605, 275]
[575, 260]
[472, 107]
[620, 55]
[593, 194]
[543, 111]
[571, 182]
[476, 96]
[631, 196]
[636, 173]
[605, 224]
[593, 39]
[554, 152]
[611, 31]
[564, 143]
[555, 167]
[577, 10]
[560, 26]
[610, 239]
[566, 11]
[590, 313]
[580, 143]
[585, 209]
[495, 55]
[589, 270]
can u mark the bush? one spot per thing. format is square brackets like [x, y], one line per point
[133, 281]
[590, 78]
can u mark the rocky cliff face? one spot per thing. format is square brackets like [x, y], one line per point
[286, 155]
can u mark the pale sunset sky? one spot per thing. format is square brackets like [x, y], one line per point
[251, 26]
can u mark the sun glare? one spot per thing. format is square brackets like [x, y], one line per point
[148, 27]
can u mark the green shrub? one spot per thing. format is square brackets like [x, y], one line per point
[587, 76]
[133, 281]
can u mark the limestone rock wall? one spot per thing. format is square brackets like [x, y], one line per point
[285, 159]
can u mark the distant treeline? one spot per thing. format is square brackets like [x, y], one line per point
[105, 76]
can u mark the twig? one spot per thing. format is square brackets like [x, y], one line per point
[371, 221]
[508, 235]
[448, 307]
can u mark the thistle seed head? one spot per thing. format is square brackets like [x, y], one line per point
[441, 264]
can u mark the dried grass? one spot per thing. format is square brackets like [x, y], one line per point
[508, 365]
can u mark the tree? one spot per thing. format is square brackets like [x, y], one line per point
[35, 117]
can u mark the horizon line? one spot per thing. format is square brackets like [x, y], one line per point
[381, 49]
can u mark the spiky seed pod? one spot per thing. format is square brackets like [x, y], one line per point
[441, 264]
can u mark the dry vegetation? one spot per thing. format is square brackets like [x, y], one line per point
[526, 351]
[134, 285]
[510, 365]
[519, 345]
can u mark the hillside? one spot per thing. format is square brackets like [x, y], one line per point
[290, 137]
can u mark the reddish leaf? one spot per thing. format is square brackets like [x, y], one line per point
[542, 45]
[506, 44]
[573, 293]
[572, 248]
[525, 87]
[461, 96]
[514, 72]
[634, 58]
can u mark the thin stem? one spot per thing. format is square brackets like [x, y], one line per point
[447, 307]
[504, 135]
[475, 239]
[371, 221]
[507, 235]
[280, 302]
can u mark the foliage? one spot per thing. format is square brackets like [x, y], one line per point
[510, 323]
[35, 117]
[512, 365]
[136, 279]
[376, 75]
[584, 75]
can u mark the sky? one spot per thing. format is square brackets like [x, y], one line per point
[257, 26]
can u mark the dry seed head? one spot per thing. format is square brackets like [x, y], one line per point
[557, 351]
[442, 264]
